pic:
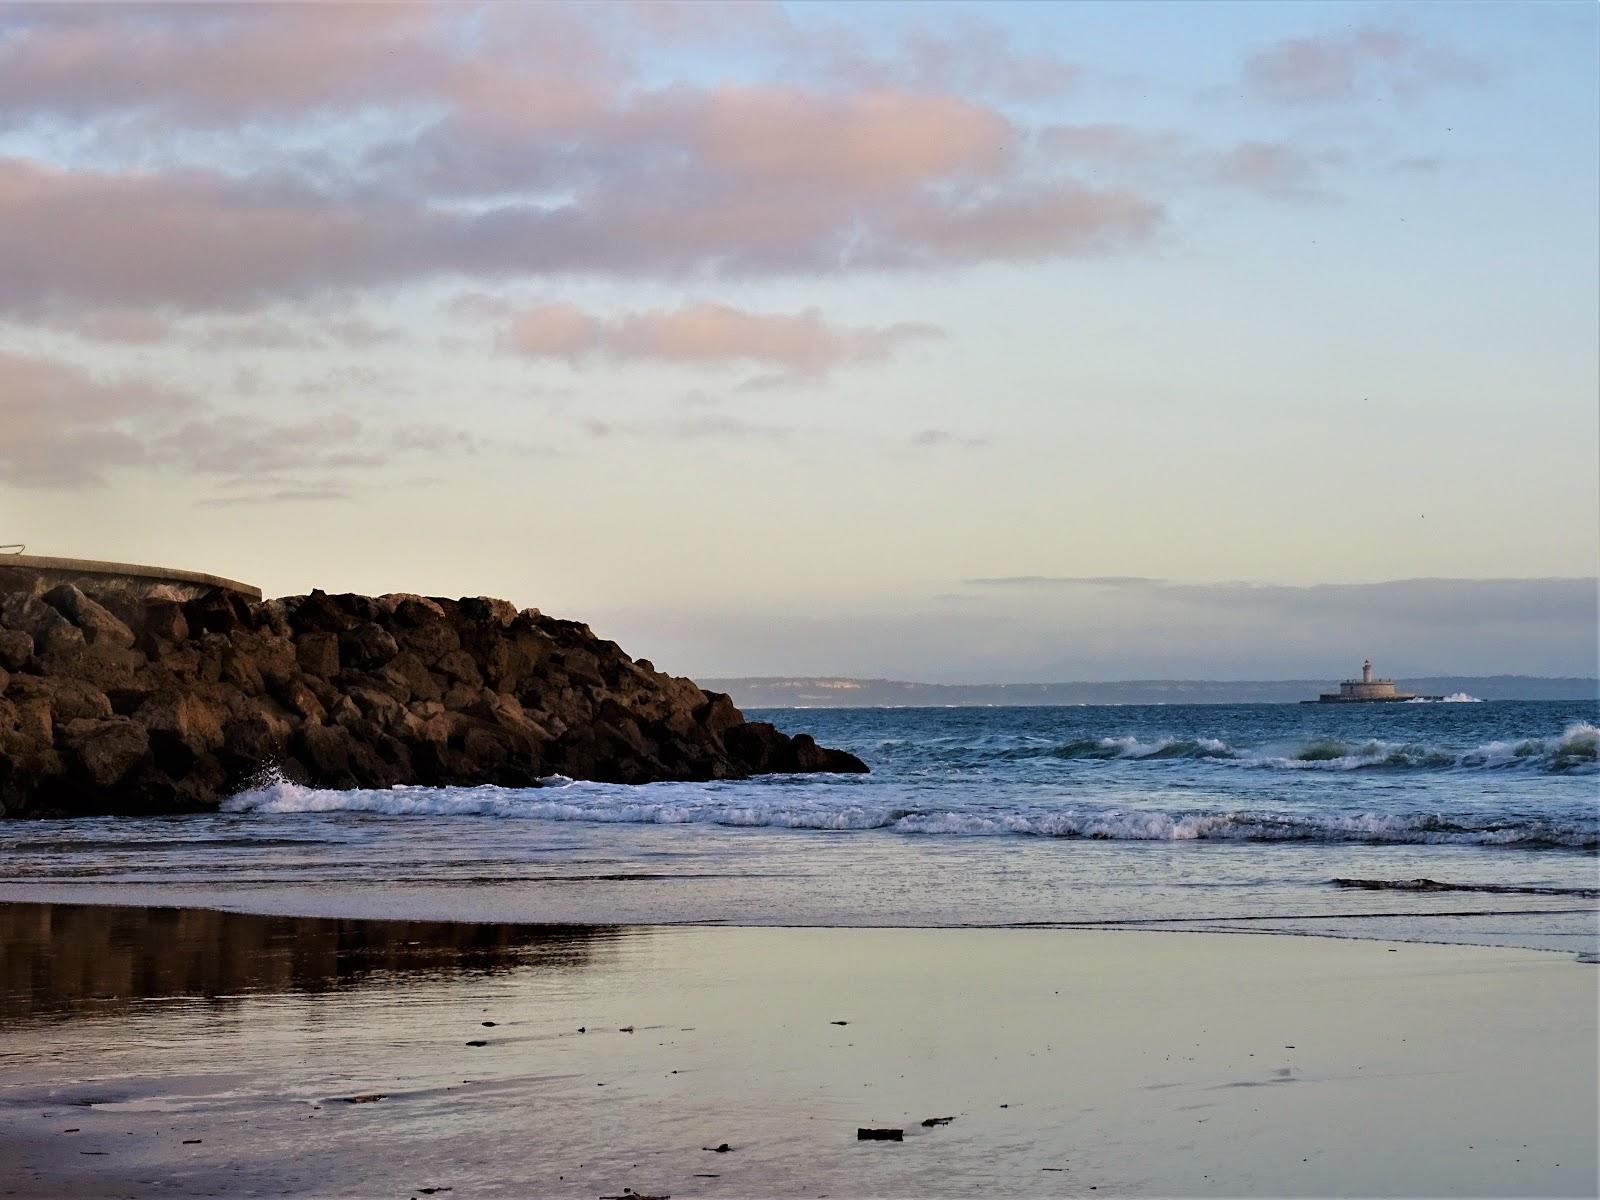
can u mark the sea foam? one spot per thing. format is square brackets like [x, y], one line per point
[829, 810]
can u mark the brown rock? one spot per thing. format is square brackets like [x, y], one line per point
[101, 754]
[318, 654]
[16, 648]
[71, 699]
[367, 646]
[181, 722]
[97, 622]
[164, 620]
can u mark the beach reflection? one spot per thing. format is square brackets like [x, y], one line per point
[78, 959]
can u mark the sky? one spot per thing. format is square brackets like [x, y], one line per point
[942, 342]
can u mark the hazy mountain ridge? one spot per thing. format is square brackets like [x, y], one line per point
[825, 691]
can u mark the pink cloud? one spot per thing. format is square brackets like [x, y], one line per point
[492, 143]
[799, 344]
[198, 241]
[867, 141]
[217, 63]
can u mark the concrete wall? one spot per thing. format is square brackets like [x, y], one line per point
[36, 573]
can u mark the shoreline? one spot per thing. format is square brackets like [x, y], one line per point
[1146, 1062]
[449, 905]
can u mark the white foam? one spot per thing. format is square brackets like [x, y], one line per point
[744, 805]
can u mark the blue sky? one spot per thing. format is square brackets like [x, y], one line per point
[752, 334]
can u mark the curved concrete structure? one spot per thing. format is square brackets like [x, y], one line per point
[38, 573]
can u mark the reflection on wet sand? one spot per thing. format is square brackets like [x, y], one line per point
[369, 1059]
[78, 959]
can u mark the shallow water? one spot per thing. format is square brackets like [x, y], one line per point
[1206, 816]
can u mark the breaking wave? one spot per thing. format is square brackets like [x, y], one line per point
[563, 799]
[1575, 751]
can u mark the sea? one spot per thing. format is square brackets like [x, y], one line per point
[1454, 821]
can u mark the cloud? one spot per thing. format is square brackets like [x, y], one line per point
[933, 438]
[1275, 169]
[61, 426]
[66, 427]
[255, 154]
[802, 345]
[201, 240]
[693, 427]
[1066, 581]
[1271, 167]
[1038, 629]
[864, 142]
[287, 495]
[1365, 63]
[1107, 142]
[222, 64]
[1398, 601]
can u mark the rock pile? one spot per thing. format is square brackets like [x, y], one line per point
[118, 705]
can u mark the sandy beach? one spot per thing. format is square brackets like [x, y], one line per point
[188, 1052]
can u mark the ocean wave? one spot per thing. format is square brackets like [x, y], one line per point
[740, 806]
[1574, 751]
[1452, 698]
[1434, 885]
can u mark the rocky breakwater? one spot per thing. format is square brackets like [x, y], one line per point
[117, 705]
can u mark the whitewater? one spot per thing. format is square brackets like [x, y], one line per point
[1234, 816]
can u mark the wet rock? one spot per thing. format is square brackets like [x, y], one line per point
[930, 1122]
[880, 1135]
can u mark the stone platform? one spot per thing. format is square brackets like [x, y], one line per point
[36, 574]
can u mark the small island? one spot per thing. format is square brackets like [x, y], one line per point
[1367, 690]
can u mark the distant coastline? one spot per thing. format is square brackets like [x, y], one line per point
[837, 691]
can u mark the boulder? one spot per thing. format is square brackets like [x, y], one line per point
[97, 622]
[367, 646]
[16, 648]
[100, 754]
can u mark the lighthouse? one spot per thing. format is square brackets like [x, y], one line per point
[1366, 671]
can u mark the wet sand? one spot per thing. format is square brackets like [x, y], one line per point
[183, 1052]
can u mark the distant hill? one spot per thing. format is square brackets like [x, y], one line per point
[839, 692]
